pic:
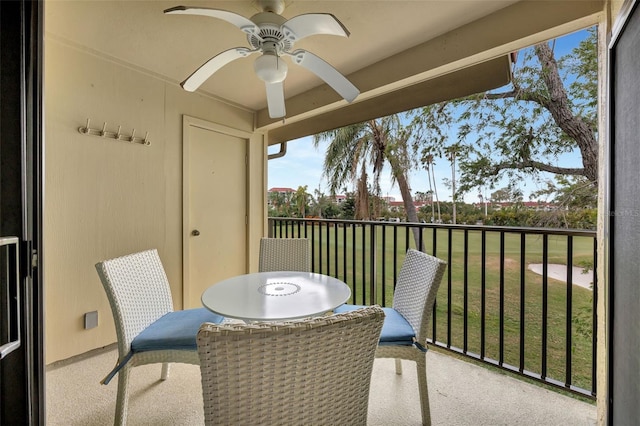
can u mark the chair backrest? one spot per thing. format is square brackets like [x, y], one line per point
[416, 289]
[315, 371]
[284, 254]
[138, 291]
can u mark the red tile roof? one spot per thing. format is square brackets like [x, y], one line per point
[282, 190]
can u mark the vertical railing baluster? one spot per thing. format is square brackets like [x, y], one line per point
[434, 316]
[501, 338]
[364, 267]
[328, 248]
[320, 247]
[545, 303]
[406, 238]
[449, 283]
[313, 245]
[335, 250]
[384, 265]
[465, 294]
[344, 254]
[594, 321]
[569, 313]
[522, 297]
[483, 292]
[373, 297]
[395, 256]
[353, 261]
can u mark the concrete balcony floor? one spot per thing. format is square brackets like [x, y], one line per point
[461, 393]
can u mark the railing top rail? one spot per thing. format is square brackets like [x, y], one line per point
[508, 229]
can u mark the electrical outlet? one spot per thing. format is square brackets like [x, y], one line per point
[90, 320]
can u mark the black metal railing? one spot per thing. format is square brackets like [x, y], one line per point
[490, 306]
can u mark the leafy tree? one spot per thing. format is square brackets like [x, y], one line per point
[374, 143]
[524, 127]
[570, 192]
[280, 204]
[423, 197]
[508, 194]
[331, 210]
[301, 199]
[348, 206]
[324, 206]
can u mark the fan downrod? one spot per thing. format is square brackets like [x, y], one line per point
[274, 6]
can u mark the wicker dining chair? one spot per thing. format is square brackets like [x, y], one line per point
[311, 372]
[148, 329]
[406, 324]
[284, 254]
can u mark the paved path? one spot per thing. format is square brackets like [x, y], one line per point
[559, 272]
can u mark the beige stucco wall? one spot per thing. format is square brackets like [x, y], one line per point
[105, 198]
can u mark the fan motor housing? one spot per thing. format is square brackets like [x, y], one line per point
[270, 31]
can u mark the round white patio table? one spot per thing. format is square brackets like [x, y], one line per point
[275, 296]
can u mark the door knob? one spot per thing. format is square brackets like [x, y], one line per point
[195, 232]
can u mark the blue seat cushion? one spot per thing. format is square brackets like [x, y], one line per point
[174, 330]
[396, 330]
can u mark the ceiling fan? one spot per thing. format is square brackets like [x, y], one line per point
[273, 36]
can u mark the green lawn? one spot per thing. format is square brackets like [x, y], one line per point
[359, 271]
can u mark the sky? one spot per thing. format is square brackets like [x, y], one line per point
[302, 164]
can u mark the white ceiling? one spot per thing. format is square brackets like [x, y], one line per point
[173, 46]
[401, 54]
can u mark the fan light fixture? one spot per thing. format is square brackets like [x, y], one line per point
[271, 34]
[270, 68]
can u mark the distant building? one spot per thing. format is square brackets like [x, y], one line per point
[339, 199]
[282, 190]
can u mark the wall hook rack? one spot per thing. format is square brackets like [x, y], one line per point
[117, 135]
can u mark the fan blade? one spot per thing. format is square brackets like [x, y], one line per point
[275, 99]
[239, 21]
[308, 24]
[325, 71]
[212, 65]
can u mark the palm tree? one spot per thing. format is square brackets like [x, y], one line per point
[301, 199]
[451, 153]
[276, 199]
[431, 174]
[374, 143]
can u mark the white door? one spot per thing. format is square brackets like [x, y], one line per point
[214, 206]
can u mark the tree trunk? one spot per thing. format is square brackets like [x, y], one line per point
[435, 192]
[559, 106]
[453, 185]
[407, 200]
[362, 197]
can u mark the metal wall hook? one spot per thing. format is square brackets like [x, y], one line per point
[117, 135]
[85, 130]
